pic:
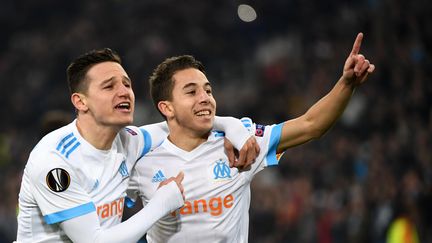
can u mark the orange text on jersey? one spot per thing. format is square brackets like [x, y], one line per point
[214, 206]
[114, 208]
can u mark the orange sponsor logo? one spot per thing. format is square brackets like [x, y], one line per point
[114, 208]
[214, 206]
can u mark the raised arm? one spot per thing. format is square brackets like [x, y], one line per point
[323, 114]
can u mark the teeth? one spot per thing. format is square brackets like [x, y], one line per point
[203, 113]
[123, 105]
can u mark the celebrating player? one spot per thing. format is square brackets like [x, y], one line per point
[217, 196]
[75, 180]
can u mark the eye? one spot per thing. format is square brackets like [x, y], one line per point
[192, 92]
[127, 84]
[209, 91]
[108, 87]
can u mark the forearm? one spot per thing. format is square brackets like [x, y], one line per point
[234, 130]
[323, 114]
[86, 229]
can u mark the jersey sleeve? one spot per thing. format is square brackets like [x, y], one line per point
[154, 135]
[57, 189]
[268, 138]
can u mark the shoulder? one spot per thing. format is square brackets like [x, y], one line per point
[56, 145]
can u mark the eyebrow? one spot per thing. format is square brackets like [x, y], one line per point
[112, 78]
[207, 84]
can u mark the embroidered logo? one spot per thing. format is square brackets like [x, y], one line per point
[221, 170]
[123, 169]
[158, 177]
[259, 131]
[58, 180]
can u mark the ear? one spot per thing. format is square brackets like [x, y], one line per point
[79, 102]
[166, 108]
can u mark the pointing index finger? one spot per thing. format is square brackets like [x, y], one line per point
[357, 43]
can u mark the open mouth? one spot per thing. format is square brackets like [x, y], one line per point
[125, 106]
[203, 113]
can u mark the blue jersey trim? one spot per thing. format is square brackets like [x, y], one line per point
[147, 142]
[63, 141]
[129, 202]
[68, 144]
[273, 144]
[72, 149]
[69, 213]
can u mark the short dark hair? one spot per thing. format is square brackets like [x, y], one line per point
[161, 81]
[77, 70]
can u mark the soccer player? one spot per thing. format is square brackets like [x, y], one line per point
[217, 196]
[74, 184]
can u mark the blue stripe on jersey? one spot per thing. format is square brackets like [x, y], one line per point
[147, 142]
[247, 123]
[273, 144]
[68, 144]
[63, 141]
[219, 134]
[72, 149]
[129, 202]
[63, 147]
[69, 213]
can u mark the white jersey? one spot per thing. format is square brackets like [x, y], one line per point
[217, 196]
[66, 177]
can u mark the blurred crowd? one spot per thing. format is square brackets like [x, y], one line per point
[369, 179]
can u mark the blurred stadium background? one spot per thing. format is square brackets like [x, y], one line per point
[367, 180]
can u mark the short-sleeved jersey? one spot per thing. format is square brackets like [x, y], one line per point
[217, 196]
[66, 177]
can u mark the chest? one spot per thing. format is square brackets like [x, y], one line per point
[206, 177]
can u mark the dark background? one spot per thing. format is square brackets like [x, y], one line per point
[373, 167]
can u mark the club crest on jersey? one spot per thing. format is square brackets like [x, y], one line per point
[221, 170]
[123, 169]
[259, 130]
[58, 180]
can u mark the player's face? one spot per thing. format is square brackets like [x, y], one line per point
[109, 97]
[193, 102]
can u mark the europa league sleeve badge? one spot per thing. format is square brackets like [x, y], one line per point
[58, 180]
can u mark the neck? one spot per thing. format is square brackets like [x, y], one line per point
[186, 139]
[101, 137]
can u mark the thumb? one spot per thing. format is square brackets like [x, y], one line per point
[180, 177]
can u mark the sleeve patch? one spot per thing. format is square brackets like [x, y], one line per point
[259, 130]
[58, 180]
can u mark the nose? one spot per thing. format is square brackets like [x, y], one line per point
[124, 90]
[204, 97]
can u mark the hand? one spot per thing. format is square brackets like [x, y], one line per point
[178, 180]
[245, 157]
[357, 67]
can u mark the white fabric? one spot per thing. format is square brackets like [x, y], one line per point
[217, 197]
[97, 181]
[234, 130]
[86, 229]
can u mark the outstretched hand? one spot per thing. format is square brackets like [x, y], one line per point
[357, 67]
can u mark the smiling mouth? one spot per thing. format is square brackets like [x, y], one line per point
[203, 113]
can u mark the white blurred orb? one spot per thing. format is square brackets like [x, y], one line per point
[246, 13]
